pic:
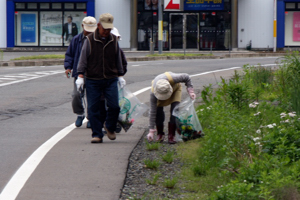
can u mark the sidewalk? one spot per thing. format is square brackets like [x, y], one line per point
[130, 55]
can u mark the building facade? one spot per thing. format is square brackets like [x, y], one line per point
[187, 24]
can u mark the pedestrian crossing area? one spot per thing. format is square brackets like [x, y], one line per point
[17, 78]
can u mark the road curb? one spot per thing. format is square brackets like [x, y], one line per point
[50, 62]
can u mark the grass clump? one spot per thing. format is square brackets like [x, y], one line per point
[251, 148]
[52, 56]
[170, 183]
[152, 146]
[154, 180]
[152, 164]
[168, 157]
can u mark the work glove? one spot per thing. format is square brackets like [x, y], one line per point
[79, 83]
[122, 82]
[150, 135]
[191, 93]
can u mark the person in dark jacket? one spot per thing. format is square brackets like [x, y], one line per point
[70, 29]
[101, 64]
[89, 24]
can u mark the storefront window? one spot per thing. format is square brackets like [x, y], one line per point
[44, 27]
[32, 5]
[144, 30]
[56, 5]
[290, 5]
[292, 28]
[26, 28]
[44, 5]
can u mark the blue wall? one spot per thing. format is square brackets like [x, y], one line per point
[90, 9]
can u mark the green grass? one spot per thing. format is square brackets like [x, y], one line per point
[53, 56]
[154, 180]
[168, 157]
[152, 146]
[178, 54]
[251, 148]
[170, 183]
[152, 164]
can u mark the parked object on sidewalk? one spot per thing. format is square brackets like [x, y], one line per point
[131, 108]
[187, 122]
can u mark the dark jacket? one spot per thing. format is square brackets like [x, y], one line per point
[66, 30]
[124, 61]
[100, 59]
[73, 53]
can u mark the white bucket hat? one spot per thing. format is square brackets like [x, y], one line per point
[116, 32]
[89, 24]
[163, 90]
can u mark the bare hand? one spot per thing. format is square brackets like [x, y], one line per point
[68, 73]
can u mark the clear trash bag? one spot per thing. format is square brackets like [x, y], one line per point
[130, 108]
[187, 122]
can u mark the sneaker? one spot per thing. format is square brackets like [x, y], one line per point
[96, 140]
[110, 135]
[118, 128]
[79, 120]
[103, 131]
[88, 124]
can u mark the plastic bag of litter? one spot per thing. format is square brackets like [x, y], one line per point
[187, 121]
[130, 108]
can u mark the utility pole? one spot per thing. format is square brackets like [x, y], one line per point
[160, 26]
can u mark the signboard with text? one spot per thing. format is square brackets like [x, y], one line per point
[203, 4]
[28, 28]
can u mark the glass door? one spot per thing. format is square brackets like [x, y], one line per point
[176, 31]
[184, 31]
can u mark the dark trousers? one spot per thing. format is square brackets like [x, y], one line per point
[160, 114]
[96, 106]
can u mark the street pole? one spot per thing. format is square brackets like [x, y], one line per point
[275, 26]
[160, 26]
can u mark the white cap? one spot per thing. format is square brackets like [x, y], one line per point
[89, 24]
[115, 32]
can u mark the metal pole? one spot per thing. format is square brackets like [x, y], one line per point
[275, 26]
[160, 26]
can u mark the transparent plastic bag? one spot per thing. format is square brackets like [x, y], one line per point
[187, 121]
[130, 108]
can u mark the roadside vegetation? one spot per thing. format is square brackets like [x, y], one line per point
[251, 147]
[50, 56]
[178, 54]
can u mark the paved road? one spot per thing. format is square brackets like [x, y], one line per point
[35, 106]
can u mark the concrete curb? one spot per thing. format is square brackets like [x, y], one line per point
[23, 63]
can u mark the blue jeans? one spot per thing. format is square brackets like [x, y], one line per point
[96, 106]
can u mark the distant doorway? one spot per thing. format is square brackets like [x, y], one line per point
[184, 31]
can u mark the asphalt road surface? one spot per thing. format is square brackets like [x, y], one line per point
[42, 154]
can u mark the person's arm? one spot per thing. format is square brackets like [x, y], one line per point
[124, 61]
[152, 111]
[185, 78]
[69, 58]
[119, 61]
[82, 64]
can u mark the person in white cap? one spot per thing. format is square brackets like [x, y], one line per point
[101, 65]
[166, 90]
[89, 24]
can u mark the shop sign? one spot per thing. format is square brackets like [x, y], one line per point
[203, 4]
[28, 27]
[172, 4]
[296, 26]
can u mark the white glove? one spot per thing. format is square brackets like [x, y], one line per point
[150, 135]
[79, 83]
[191, 93]
[122, 82]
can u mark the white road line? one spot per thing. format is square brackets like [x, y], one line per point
[11, 79]
[16, 183]
[31, 78]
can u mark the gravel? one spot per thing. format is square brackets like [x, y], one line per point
[135, 184]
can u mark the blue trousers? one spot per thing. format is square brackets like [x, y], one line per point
[96, 106]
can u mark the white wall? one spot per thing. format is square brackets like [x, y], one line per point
[3, 36]
[120, 9]
[256, 18]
